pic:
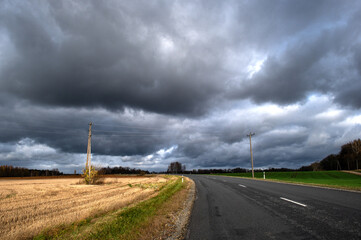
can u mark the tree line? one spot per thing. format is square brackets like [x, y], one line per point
[177, 167]
[10, 171]
[349, 158]
[121, 170]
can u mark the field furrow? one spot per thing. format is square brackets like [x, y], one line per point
[29, 206]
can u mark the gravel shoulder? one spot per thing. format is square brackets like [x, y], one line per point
[182, 217]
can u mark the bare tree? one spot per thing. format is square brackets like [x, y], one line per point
[356, 148]
[176, 167]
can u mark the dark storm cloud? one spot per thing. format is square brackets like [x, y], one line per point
[67, 130]
[269, 24]
[349, 94]
[284, 137]
[108, 56]
[178, 81]
[114, 54]
[324, 62]
[289, 136]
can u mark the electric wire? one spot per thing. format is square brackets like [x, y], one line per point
[40, 131]
[130, 131]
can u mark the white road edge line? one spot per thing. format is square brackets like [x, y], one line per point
[241, 185]
[288, 200]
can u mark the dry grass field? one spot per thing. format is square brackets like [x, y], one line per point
[29, 206]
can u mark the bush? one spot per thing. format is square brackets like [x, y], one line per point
[141, 173]
[93, 177]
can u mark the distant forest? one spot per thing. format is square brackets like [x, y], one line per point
[10, 171]
[229, 170]
[121, 170]
[349, 158]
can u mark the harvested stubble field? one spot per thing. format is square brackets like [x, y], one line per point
[29, 206]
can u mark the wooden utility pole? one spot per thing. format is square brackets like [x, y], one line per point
[250, 147]
[88, 154]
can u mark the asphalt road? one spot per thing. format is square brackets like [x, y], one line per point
[236, 208]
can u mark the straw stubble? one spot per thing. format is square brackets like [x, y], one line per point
[29, 206]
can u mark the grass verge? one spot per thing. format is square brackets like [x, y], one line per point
[334, 179]
[126, 223]
[169, 220]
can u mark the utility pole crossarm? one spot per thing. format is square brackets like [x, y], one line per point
[250, 149]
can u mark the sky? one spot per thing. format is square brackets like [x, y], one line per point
[185, 81]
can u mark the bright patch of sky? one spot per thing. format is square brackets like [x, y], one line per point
[255, 67]
[330, 114]
[351, 121]
[166, 45]
[28, 149]
[165, 152]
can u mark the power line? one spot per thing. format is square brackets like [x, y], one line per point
[140, 127]
[104, 133]
[128, 126]
[131, 131]
[40, 131]
[35, 119]
[109, 131]
[35, 123]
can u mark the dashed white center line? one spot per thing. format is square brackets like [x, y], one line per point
[288, 200]
[241, 185]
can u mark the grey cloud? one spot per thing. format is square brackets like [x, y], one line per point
[320, 64]
[291, 138]
[97, 59]
[162, 74]
[86, 54]
[67, 130]
[270, 24]
[349, 94]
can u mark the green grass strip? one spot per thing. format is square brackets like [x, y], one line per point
[129, 219]
[326, 178]
[124, 225]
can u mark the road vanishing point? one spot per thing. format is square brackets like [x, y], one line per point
[238, 208]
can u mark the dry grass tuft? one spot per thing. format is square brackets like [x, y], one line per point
[29, 206]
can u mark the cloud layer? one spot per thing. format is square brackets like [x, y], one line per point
[194, 77]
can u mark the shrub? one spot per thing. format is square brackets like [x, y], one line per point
[93, 177]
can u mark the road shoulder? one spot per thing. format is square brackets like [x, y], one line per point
[171, 220]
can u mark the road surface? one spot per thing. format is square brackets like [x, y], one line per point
[237, 208]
